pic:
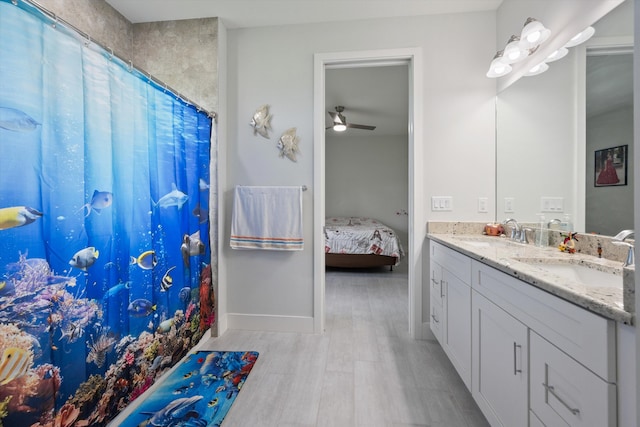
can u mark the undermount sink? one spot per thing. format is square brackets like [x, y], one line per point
[584, 273]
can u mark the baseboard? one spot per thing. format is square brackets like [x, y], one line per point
[264, 322]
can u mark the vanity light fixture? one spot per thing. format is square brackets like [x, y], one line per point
[557, 54]
[581, 37]
[498, 67]
[537, 69]
[533, 34]
[513, 51]
[518, 47]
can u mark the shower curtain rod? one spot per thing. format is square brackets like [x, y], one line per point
[56, 19]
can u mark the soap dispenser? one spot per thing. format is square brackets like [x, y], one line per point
[542, 233]
[566, 224]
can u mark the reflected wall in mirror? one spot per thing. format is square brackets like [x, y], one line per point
[544, 164]
[609, 100]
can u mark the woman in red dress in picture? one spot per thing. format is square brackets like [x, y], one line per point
[608, 175]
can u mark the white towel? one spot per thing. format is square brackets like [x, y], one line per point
[267, 218]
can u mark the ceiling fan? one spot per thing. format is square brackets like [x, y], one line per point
[340, 122]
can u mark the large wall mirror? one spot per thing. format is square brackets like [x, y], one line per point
[565, 137]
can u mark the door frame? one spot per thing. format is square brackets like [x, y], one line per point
[417, 224]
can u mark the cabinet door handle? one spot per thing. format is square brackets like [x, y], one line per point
[516, 371]
[551, 389]
[433, 316]
[441, 290]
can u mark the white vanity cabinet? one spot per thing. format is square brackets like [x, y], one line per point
[530, 358]
[568, 351]
[499, 364]
[451, 306]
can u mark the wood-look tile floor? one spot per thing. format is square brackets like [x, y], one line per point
[364, 370]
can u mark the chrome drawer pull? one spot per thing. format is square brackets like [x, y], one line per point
[441, 293]
[516, 371]
[551, 390]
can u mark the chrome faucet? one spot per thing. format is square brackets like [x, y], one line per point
[515, 230]
[553, 221]
[619, 239]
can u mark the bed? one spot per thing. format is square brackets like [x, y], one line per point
[359, 242]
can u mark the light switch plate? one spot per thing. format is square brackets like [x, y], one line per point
[551, 204]
[441, 203]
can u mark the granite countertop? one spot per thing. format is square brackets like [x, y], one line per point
[509, 256]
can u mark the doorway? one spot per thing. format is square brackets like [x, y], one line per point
[416, 227]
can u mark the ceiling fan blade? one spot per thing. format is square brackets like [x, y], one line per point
[355, 126]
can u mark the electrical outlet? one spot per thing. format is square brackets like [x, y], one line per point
[509, 203]
[483, 204]
[441, 203]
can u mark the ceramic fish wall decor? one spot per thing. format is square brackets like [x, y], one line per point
[288, 144]
[261, 121]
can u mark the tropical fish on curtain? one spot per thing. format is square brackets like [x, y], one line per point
[105, 265]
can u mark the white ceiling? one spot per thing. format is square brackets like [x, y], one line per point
[258, 13]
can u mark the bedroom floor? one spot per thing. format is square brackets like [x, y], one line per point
[364, 371]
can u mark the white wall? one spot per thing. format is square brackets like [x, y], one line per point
[368, 176]
[275, 66]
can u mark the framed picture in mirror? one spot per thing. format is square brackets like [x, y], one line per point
[611, 166]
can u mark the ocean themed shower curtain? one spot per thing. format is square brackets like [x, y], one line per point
[105, 264]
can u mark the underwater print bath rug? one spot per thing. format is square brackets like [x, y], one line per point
[198, 393]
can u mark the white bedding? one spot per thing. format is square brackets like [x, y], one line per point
[358, 235]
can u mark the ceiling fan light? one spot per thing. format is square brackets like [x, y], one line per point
[557, 54]
[339, 127]
[581, 37]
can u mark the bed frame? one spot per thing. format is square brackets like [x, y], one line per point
[359, 260]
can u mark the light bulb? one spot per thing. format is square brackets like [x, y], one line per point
[533, 37]
[497, 67]
[537, 69]
[558, 54]
[581, 37]
[339, 127]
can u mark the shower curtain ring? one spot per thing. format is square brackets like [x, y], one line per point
[111, 56]
[55, 21]
[87, 42]
[130, 65]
